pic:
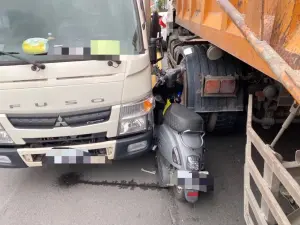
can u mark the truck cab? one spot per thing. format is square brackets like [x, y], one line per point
[93, 90]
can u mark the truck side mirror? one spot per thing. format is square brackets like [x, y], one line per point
[156, 43]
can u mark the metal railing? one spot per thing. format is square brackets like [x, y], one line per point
[276, 173]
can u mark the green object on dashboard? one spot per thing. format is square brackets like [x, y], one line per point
[105, 47]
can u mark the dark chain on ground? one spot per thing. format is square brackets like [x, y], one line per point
[72, 179]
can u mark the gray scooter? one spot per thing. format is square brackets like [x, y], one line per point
[179, 137]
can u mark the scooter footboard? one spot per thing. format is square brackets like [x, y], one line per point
[189, 180]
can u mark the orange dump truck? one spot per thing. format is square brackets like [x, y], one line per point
[244, 55]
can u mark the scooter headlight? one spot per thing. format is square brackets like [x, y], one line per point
[135, 117]
[193, 163]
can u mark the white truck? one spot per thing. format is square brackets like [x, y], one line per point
[75, 78]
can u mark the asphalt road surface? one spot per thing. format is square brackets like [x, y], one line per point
[121, 194]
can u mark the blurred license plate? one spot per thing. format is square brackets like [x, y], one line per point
[197, 180]
[72, 156]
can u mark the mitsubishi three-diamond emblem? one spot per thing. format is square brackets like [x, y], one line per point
[60, 122]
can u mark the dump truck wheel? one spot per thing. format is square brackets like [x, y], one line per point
[184, 95]
[218, 121]
[215, 121]
[224, 121]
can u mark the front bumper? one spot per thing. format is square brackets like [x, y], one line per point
[116, 149]
[14, 157]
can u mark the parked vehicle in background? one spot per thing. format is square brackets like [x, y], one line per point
[163, 16]
[163, 28]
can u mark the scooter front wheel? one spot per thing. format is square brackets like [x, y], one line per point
[179, 193]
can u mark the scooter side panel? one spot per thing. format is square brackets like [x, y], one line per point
[166, 142]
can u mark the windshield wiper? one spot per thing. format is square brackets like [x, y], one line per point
[35, 65]
[111, 63]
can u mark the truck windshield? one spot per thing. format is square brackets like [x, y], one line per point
[69, 24]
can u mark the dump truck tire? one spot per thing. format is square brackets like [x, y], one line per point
[215, 121]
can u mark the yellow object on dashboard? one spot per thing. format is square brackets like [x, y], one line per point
[35, 46]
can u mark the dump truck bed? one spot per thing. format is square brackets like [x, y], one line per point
[263, 33]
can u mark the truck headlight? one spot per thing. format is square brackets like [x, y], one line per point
[134, 117]
[4, 137]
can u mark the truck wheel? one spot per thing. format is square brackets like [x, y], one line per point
[184, 95]
[215, 121]
[224, 121]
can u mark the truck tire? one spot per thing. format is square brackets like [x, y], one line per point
[223, 121]
[215, 121]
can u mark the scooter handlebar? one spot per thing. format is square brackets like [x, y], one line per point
[172, 74]
[169, 76]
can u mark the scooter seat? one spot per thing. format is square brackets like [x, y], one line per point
[181, 119]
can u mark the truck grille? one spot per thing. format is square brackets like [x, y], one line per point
[70, 119]
[65, 140]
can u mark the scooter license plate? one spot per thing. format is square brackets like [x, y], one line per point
[72, 156]
[201, 181]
